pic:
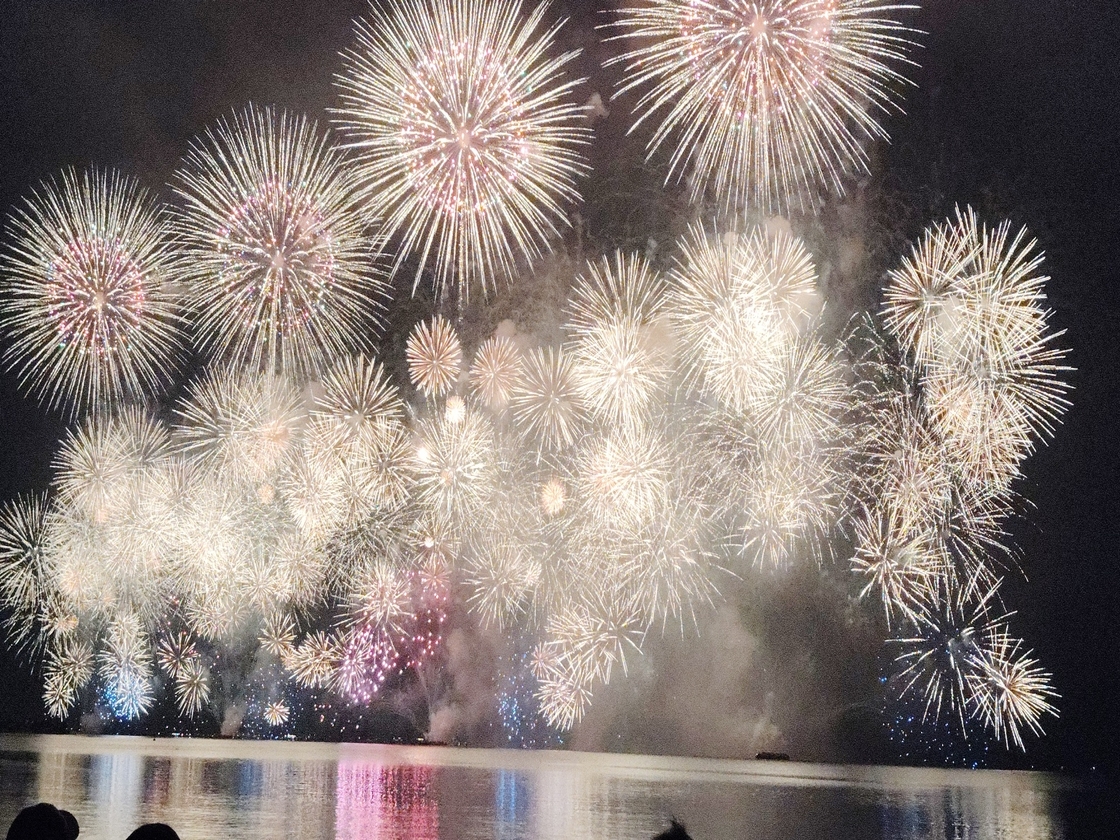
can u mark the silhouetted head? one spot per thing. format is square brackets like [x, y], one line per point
[43, 822]
[675, 831]
[154, 831]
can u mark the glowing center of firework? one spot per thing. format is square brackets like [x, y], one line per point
[96, 295]
[553, 497]
[279, 250]
[467, 139]
[460, 138]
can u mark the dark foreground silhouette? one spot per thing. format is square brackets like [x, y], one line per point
[154, 831]
[46, 822]
[675, 831]
[43, 822]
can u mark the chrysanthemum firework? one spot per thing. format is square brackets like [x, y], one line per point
[765, 102]
[545, 401]
[435, 356]
[789, 503]
[68, 669]
[500, 581]
[313, 660]
[25, 577]
[85, 278]
[277, 258]
[192, 687]
[276, 713]
[246, 426]
[738, 302]
[494, 372]
[969, 305]
[620, 343]
[625, 477]
[1010, 688]
[382, 596]
[358, 402]
[125, 667]
[468, 139]
[903, 565]
[454, 463]
[954, 624]
[98, 464]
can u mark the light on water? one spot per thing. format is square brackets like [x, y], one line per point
[248, 790]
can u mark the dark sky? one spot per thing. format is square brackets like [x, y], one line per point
[1016, 112]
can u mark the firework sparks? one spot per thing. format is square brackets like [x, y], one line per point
[24, 578]
[738, 304]
[953, 624]
[248, 426]
[767, 101]
[313, 661]
[625, 475]
[125, 666]
[68, 669]
[500, 582]
[904, 566]
[545, 402]
[435, 356]
[453, 464]
[1012, 691]
[192, 687]
[553, 497]
[276, 713]
[174, 652]
[968, 303]
[494, 373]
[619, 350]
[277, 269]
[87, 301]
[467, 139]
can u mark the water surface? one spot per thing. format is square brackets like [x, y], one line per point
[257, 790]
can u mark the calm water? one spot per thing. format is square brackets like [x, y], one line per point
[238, 789]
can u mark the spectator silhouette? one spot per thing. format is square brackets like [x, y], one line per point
[43, 822]
[154, 831]
[675, 831]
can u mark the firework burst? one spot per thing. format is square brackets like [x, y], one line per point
[68, 669]
[953, 624]
[738, 303]
[125, 667]
[625, 476]
[246, 426]
[1010, 688]
[968, 304]
[620, 348]
[454, 463]
[435, 356]
[192, 687]
[545, 402]
[905, 567]
[24, 575]
[495, 370]
[276, 253]
[767, 102]
[276, 713]
[88, 304]
[468, 141]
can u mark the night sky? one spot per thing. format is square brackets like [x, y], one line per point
[1015, 112]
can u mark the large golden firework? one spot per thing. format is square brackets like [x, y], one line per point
[85, 277]
[277, 261]
[764, 102]
[467, 137]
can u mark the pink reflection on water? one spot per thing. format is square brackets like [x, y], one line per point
[375, 801]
